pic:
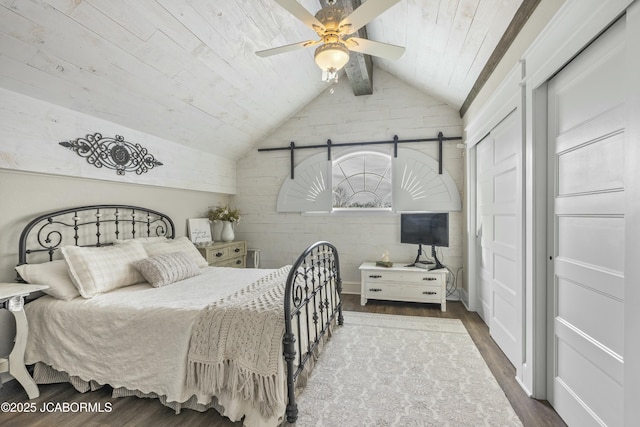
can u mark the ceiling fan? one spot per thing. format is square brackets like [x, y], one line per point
[334, 28]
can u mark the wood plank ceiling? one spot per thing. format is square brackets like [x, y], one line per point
[186, 70]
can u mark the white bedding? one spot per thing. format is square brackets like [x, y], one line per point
[135, 337]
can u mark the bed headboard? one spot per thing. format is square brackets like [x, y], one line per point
[96, 225]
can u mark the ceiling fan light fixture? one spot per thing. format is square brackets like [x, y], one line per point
[335, 28]
[331, 57]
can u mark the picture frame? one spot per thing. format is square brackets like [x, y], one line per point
[199, 230]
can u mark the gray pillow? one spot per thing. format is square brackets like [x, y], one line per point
[163, 269]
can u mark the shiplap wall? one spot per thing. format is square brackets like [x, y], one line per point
[31, 130]
[393, 108]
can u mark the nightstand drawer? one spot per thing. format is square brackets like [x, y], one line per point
[383, 290]
[424, 293]
[236, 249]
[402, 292]
[216, 254]
[225, 254]
[239, 262]
[402, 277]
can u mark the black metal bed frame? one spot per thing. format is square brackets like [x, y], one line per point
[314, 287]
[53, 228]
[312, 300]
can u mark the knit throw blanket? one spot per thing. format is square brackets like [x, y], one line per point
[236, 344]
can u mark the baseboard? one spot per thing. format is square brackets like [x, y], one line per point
[464, 298]
[453, 297]
[523, 385]
[351, 288]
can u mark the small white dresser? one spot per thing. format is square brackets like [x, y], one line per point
[399, 283]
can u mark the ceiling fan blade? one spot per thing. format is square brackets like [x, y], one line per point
[287, 48]
[383, 50]
[363, 14]
[297, 10]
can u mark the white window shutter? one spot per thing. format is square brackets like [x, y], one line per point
[417, 185]
[310, 190]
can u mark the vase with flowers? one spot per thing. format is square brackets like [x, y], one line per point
[228, 218]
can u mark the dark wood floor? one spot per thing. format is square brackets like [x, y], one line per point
[132, 411]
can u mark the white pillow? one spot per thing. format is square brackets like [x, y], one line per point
[163, 269]
[181, 244]
[53, 274]
[103, 269]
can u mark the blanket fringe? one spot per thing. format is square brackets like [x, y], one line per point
[236, 345]
[262, 391]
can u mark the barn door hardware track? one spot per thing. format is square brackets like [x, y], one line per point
[329, 144]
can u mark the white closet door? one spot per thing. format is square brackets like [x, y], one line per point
[586, 170]
[499, 219]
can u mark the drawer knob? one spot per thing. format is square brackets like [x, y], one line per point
[375, 276]
[239, 262]
[236, 250]
[375, 290]
[219, 254]
[429, 292]
[429, 278]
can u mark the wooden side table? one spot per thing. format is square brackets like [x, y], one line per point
[225, 254]
[12, 298]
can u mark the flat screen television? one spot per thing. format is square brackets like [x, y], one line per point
[429, 228]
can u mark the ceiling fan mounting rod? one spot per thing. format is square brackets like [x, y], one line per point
[331, 17]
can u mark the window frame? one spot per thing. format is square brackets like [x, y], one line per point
[387, 176]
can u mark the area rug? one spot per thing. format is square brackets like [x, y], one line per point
[389, 370]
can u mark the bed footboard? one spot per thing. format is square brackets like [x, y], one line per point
[312, 303]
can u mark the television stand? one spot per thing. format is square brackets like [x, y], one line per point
[417, 262]
[435, 259]
[403, 284]
[423, 264]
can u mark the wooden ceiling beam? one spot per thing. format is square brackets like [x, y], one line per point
[519, 19]
[359, 69]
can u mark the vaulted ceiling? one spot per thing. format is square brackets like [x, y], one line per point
[186, 70]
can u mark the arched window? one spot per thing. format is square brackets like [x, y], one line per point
[362, 180]
[369, 179]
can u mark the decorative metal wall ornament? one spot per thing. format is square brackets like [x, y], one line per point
[113, 153]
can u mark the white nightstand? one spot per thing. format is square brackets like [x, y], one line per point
[12, 298]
